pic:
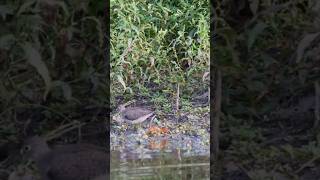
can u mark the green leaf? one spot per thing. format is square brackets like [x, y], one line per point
[289, 149]
[98, 28]
[66, 89]
[254, 5]
[6, 41]
[120, 79]
[304, 44]
[60, 4]
[254, 33]
[24, 7]
[33, 57]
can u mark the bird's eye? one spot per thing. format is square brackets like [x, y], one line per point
[26, 148]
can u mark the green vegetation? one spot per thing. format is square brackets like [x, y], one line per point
[52, 71]
[51, 61]
[158, 44]
[160, 51]
[268, 54]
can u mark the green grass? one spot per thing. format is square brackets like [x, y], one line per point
[158, 42]
[51, 63]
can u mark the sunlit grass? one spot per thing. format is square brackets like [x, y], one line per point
[163, 42]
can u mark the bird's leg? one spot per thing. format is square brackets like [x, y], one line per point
[151, 120]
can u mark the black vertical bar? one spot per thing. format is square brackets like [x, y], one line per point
[107, 59]
[212, 91]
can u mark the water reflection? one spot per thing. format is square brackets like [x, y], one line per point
[161, 167]
[177, 157]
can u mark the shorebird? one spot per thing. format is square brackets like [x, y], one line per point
[66, 162]
[132, 115]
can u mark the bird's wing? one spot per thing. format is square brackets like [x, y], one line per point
[135, 113]
[140, 119]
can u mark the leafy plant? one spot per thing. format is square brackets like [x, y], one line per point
[150, 40]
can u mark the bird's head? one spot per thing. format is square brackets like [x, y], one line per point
[122, 107]
[34, 147]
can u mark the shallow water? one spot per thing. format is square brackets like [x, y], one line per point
[168, 157]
